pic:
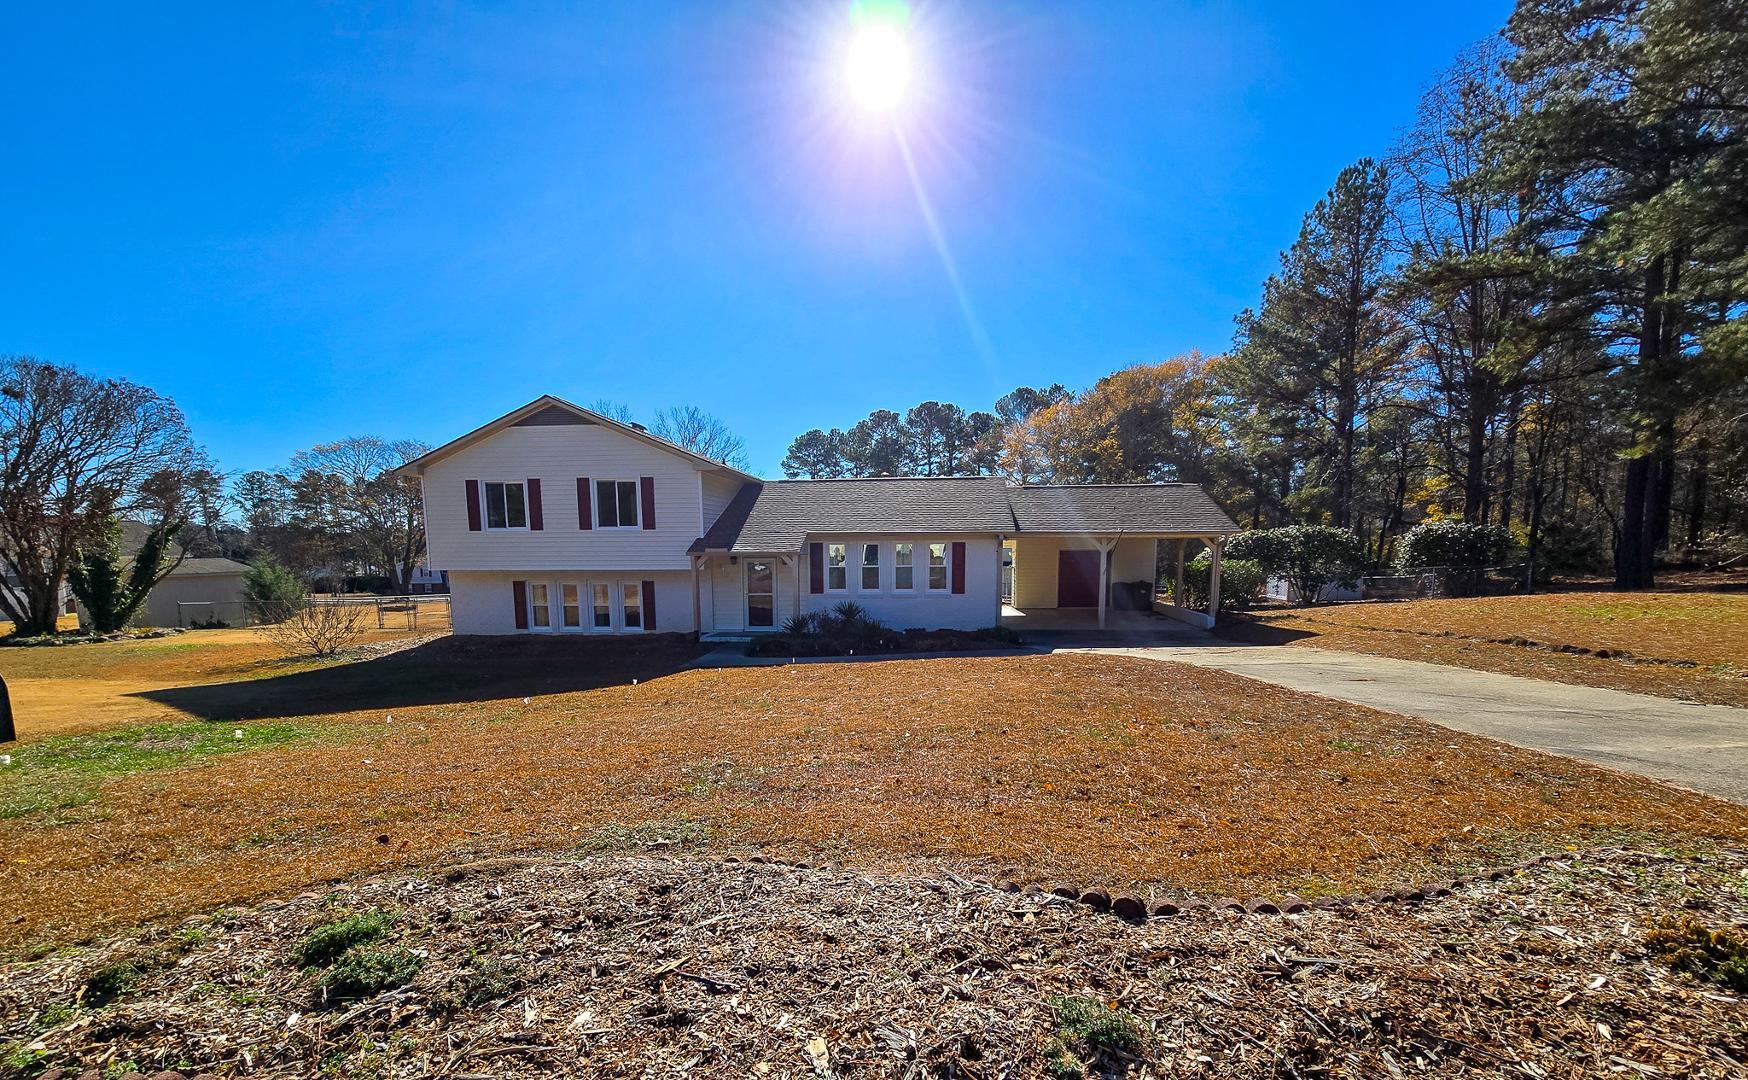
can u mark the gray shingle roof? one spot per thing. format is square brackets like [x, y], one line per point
[778, 515]
[1119, 508]
[209, 567]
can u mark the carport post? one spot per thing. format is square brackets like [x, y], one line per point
[1105, 546]
[1177, 594]
[1214, 546]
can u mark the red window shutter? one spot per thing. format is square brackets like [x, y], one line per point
[958, 566]
[536, 519]
[473, 506]
[520, 588]
[585, 509]
[646, 485]
[816, 568]
[649, 605]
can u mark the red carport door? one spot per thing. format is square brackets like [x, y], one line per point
[1077, 579]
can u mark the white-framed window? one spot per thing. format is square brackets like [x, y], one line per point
[632, 592]
[904, 566]
[616, 504]
[600, 606]
[506, 505]
[570, 606]
[837, 570]
[937, 567]
[870, 568]
[539, 605]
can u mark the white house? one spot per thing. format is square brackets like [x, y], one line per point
[556, 519]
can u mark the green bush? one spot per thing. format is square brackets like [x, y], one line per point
[1308, 556]
[271, 589]
[1265, 547]
[1463, 545]
[1240, 581]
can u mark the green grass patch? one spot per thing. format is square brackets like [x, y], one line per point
[64, 771]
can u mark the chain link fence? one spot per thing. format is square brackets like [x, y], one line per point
[422, 612]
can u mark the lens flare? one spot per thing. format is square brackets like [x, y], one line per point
[878, 67]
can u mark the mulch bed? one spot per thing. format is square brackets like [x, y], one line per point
[662, 963]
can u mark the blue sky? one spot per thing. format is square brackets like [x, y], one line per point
[309, 221]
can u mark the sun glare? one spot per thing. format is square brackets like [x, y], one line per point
[878, 67]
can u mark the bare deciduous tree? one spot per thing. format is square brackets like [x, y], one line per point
[347, 488]
[703, 434]
[75, 452]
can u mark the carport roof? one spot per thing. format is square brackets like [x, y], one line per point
[1114, 508]
[778, 515]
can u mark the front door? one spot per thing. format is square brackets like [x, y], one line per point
[761, 594]
[1077, 579]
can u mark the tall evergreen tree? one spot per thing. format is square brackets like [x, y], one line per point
[1322, 351]
[1635, 163]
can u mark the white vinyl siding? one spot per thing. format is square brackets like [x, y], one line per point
[559, 456]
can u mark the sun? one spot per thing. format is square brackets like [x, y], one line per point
[877, 67]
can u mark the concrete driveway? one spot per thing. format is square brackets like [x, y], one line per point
[1703, 747]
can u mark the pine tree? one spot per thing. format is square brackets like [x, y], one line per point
[1636, 163]
[1316, 358]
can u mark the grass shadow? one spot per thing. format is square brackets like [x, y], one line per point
[446, 671]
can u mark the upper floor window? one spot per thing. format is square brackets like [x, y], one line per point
[937, 566]
[904, 566]
[616, 504]
[871, 567]
[837, 572]
[506, 506]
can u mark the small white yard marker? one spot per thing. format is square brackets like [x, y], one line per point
[5, 759]
[237, 734]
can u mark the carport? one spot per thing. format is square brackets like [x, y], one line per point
[1096, 547]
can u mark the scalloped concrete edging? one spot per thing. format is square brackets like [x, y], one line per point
[1132, 909]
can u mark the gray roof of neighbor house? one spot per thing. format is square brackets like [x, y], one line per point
[778, 515]
[209, 568]
[1119, 508]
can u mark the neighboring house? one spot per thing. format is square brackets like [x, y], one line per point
[556, 519]
[196, 592]
[427, 580]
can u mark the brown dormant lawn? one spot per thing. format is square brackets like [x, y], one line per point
[1701, 638]
[1074, 768]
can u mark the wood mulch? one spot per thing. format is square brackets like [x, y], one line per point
[647, 964]
[1686, 645]
[1153, 778]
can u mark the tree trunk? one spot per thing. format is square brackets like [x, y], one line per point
[1696, 498]
[7, 732]
[1630, 541]
[1475, 463]
[1634, 553]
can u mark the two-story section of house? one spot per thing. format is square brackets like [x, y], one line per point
[557, 520]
